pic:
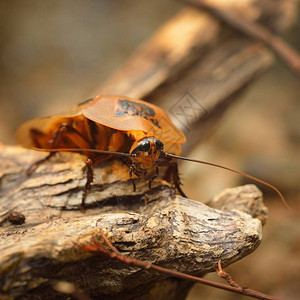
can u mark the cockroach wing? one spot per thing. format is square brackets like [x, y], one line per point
[44, 125]
[127, 114]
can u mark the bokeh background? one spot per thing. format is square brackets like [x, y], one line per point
[53, 54]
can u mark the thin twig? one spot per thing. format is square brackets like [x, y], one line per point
[289, 56]
[222, 274]
[96, 247]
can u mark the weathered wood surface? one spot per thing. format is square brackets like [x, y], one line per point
[195, 67]
[193, 52]
[171, 231]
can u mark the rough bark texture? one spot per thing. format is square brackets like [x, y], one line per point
[192, 52]
[169, 230]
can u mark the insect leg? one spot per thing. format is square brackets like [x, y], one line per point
[69, 133]
[37, 135]
[89, 179]
[39, 138]
[131, 179]
[33, 166]
[172, 175]
[64, 131]
[176, 178]
[153, 177]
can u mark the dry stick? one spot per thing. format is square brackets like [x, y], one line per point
[284, 51]
[97, 247]
[222, 274]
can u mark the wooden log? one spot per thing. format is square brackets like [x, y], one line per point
[169, 230]
[195, 67]
[192, 52]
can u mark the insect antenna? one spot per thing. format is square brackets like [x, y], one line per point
[231, 170]
[84, 150]
[169, 155]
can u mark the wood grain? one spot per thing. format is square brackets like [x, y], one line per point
[171, 231]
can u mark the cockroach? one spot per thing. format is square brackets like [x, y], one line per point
[110, 125]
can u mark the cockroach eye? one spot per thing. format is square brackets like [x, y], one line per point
[159, 145]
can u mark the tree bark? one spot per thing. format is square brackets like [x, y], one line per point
[152, 225]
[194, 59]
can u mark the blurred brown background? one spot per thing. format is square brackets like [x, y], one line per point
[53, 54]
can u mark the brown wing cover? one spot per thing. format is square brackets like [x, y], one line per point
[136, 118]
[127, 114]
[45, 125]
[42, 125]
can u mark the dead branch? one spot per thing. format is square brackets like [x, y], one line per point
[192, 52]
[96, 247]
[170, 231]
[284, 51]
[195, 68]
